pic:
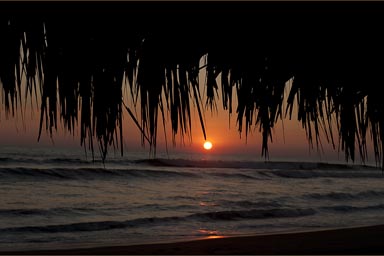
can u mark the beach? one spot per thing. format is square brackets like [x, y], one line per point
[160, 170]
[357, 240]
[61, 203]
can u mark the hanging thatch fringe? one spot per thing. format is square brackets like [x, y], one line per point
[77, 59]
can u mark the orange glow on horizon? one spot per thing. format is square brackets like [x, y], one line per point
[289, 137]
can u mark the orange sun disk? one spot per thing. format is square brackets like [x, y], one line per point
[207, 145]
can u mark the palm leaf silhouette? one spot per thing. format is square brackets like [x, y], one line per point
[76, 60]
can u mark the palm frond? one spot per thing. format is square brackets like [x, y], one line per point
[75, 62]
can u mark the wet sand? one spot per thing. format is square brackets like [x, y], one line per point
[358, 240]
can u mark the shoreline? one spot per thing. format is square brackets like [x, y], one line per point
[355, 240]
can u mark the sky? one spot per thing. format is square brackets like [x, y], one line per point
[289, 138]
[289, 143]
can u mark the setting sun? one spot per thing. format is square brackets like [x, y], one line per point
[207, 145]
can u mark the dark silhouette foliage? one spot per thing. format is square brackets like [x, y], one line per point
[79, 53]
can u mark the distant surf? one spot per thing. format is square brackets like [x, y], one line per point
[76, 168]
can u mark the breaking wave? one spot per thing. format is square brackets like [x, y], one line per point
[207, 216]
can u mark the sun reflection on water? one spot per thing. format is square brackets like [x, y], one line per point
[210, 234]
[207, 204]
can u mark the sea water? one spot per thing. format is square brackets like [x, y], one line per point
[60, 199]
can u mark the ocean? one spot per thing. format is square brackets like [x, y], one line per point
[60, 199]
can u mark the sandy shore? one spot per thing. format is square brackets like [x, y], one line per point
[359, 240]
